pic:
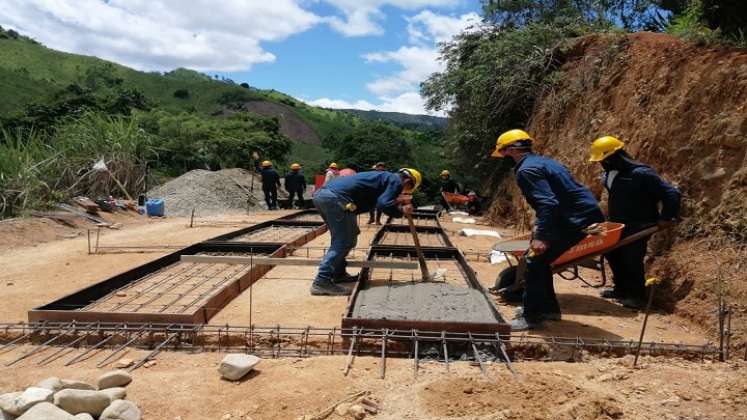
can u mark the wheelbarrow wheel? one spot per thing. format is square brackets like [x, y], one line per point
[506, 280]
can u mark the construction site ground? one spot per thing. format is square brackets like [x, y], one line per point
[187, 386]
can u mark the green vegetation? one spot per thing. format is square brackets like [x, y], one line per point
[494, 75]
[61, 113]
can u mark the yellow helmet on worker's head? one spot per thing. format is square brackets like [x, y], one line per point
[603, 147]
[415, 176]
[266, 164]
[333, 165]
[295, 166]
[508, 138]
[445, 172]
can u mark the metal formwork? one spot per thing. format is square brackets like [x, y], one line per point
[171, 291]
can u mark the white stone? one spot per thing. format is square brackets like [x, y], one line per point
[76, 401]
[116, 393]
[7, 402]
[29, 398]
[46, 411]
[114, 378]
[124, 363]
[83, 416]
[73, 384]
[235, 366]
[6, 416]
[53, 384]
[121, 410]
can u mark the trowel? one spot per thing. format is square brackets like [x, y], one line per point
[439, 275]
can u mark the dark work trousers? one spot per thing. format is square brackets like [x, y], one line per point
[627, 268]
[374, 214]
[271, 198]
[539, 292]
[292, 194]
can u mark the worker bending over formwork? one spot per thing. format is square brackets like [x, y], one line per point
[340, 201]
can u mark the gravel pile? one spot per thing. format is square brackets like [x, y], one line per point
[211, 193]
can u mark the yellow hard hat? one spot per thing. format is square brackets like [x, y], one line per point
[508, 138]
[445, 172]
[603, 147]
[295, 166]
[414, 175]
[266, 163]
[333, 165]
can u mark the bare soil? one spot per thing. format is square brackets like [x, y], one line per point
[187, 386]
[290, 124]
[681, 109]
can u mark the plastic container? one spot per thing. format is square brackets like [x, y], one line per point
[155, 207]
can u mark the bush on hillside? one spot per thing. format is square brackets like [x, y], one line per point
[181, 94]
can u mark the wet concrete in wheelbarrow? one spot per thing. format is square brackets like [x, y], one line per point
[429, 301]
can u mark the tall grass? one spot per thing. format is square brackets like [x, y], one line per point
[38, 170]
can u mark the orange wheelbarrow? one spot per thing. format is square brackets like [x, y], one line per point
[588, 253]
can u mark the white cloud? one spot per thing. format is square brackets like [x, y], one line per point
[428, 27]
[361, 16]
[341, 104]
[161, 34]
[400, 91]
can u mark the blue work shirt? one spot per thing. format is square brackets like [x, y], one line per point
[561, 204]
[270, 177]
[370, 190]
[635, 194]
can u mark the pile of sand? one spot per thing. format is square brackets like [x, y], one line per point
[212, 193]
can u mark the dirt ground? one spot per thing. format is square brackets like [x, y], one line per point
[187, 386]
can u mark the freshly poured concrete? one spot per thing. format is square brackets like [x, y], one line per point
[428, 301]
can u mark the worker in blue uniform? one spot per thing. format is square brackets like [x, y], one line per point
[270, 181]
[635, 192]
[563, 209]
[340, 201]
[295, 184]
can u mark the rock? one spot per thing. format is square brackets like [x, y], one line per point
[235, 366]
[370, 405]
[27, 399]
[149, 364]
[342, 409]
[124, 363]
[226, 416]
[83, 416]
[73, 384]
[121, 410]
[46, 411]
[468, 390]
[7, 402]
[116, 393]
[53, 384]
[357, 411]
[76, 401]
[114, 378]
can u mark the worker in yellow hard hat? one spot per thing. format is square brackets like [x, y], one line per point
[341, 200]
[270, 181]
[448, 185]
[295, 184]
[563, 208]
[331, 173]
[634, 193]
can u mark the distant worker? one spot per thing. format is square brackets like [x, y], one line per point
[340, 201]
[563, 209]
[331, 173]
[270, 181]
[376, 212]
[634, 192]
[448, 185]
[295, 184]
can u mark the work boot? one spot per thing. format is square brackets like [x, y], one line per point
[328, 289]
[610, 293]
[633, 303]
[549, 316]
[346, 278]
[522, 324]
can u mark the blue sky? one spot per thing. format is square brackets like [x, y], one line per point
[368, 54]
